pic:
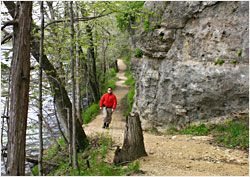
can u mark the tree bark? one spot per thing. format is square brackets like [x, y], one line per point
[91, 56]
[78, 72]
[40, 115]
[19, 90]
[72, 37]
[133, 145]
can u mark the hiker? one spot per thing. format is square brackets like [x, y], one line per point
[108, 102]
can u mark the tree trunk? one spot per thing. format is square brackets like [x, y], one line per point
[40, 157]
[78, 71]
[19, 90]
[72, 36]
[91, 55]
[133, 145]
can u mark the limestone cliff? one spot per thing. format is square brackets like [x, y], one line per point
[195, 64]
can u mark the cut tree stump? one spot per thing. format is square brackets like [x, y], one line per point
[133, 145]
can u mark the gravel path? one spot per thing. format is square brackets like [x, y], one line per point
[179, 155]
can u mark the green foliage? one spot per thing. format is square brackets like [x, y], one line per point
[112, 72]
[100, 145]
[131, 94]
[220, 62]
[199, 130]
[233, 10]
[234, 61]
[35, 171]
[110, 83]
[170, 10]
[231, 134]
[4, 67]
[155, 131]
[171, 130]
[239, 53]
[138, 53]
[90, 113]
[129, 12]
[146, 25]
[234, 134]
[127, 60]
[130, 81]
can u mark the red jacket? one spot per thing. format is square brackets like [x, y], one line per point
[108, 100]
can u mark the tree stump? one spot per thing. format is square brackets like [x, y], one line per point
[133, 145]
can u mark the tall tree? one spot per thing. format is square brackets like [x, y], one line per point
[72, 51]
[40, 158]
[78, 69]
[92, 62]
[19, 89]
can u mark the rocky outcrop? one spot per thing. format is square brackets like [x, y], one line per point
[195, 65]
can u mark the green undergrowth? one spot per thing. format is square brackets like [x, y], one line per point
[130, 82]
[94, 155]
[231, 134]
[130, 101]
[109, 82]
[90, 113]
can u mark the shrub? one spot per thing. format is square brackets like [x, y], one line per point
[100, 144]
[138, 53]
[90, 113]
[110, 83]
[131, 94]
[130, 81]
[146, 25]
[112, 72]
[234, 61]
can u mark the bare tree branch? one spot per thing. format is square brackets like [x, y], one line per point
[6, 39]
[77, 19]
[8, 23]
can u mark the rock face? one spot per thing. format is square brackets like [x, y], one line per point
[177, 80]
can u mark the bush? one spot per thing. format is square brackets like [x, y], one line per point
[90, 113]
[138, 53]
[130, 81]
[112, 72]
[131, 94]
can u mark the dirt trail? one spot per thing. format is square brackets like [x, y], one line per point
[179, 155]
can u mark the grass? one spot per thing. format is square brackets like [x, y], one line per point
[90, 113]
[231, 134]
[155, 131]
[98, 148]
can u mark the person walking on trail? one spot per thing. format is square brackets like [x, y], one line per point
[108, 103]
